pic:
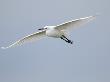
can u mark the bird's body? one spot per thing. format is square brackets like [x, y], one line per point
[52, 32]
[57, 31]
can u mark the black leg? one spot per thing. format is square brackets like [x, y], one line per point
[66, 39]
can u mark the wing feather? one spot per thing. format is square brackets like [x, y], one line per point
[74, 23]
[30, 38]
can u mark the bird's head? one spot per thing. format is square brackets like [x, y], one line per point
[46, 28]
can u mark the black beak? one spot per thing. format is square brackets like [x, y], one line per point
[41, 29]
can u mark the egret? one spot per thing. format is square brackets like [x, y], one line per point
[58, 31]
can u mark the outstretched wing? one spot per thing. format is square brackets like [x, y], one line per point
[74, 23]
[29, 38]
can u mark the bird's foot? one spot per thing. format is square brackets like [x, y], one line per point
[69, 41]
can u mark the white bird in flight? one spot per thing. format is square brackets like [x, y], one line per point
[57, 31]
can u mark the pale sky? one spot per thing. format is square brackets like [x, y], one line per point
[49, 59]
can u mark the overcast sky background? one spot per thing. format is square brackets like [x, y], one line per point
[53, 60]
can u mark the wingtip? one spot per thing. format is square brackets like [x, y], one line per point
[97, 14]
[3, 48]
[93, 16]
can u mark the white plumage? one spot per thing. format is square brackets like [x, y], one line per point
[57, 31]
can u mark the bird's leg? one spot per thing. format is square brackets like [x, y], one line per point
[66, 39]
